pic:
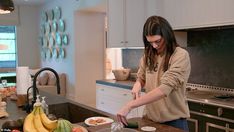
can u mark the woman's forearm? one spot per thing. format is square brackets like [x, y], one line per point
[150, 97]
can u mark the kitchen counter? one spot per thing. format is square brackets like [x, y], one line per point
[141, 123]
[53, 100]
[17, 112]
[199, 96]
[120, 84]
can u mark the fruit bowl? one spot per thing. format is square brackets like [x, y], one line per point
[121, 74]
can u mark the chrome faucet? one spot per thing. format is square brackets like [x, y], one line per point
[35, 89]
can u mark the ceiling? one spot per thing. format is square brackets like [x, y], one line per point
[29, 2]
[98, 8]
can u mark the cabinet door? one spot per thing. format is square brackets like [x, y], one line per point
[193, 125]
[125, 23]
[115, 93]
[210, 127]
[153, 7]
[183, 14]
[115, 23]
[135, 19]
[111, 99]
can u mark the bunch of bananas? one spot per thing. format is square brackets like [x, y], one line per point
[63, 126]
[37, 121]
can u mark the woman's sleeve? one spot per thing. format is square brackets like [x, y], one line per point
[177, 73]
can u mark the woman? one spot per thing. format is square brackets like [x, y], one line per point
[163, 72]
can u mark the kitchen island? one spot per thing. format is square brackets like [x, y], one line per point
[76, 113]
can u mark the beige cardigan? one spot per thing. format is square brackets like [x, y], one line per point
[172, 83]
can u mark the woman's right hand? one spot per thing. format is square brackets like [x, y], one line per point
[136, 90]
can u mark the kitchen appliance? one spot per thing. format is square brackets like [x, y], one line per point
[220, 95]
[210, 108]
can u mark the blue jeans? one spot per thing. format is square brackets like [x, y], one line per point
[179, 123]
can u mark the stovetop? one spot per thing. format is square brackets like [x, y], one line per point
[211, 95]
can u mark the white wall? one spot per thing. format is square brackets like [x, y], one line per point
[66, 65]
[89, 55]
[76, 51]
[26, 20]
[27, 37]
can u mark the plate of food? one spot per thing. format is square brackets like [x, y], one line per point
[78, 128]
[95, 121]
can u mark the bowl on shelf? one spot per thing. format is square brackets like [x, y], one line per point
[121, 74]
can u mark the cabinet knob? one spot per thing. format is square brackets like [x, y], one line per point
[122, 42]
[126, 41]
[220, 111]
[102, 102]
[102, 90]
[125, 94]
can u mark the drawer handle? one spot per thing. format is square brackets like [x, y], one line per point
[102, 90]
[220, 111]
[102, 103]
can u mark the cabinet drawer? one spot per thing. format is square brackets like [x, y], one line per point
[115, 93]
[111, 106]
[111, 99]
[108, 106]
[211, 110]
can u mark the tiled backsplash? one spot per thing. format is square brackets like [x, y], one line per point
[212, 57]
[131, 58]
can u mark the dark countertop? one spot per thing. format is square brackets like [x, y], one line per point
[16, 113]
[141, 123]
[120, 84]
[193, 96]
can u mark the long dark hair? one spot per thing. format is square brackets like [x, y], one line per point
[156, 25]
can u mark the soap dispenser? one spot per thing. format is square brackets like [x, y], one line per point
[38, 101]
[45, 106]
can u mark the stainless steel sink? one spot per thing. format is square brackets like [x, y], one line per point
[72, 112]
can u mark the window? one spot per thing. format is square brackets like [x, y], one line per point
[7, 47]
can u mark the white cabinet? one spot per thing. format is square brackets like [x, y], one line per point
[153, 8]
[111, 99]
[184, 14]
[125, 23]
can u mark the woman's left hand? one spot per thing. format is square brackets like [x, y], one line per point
[121, 115]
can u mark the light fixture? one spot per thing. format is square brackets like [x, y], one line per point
[6, 6]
